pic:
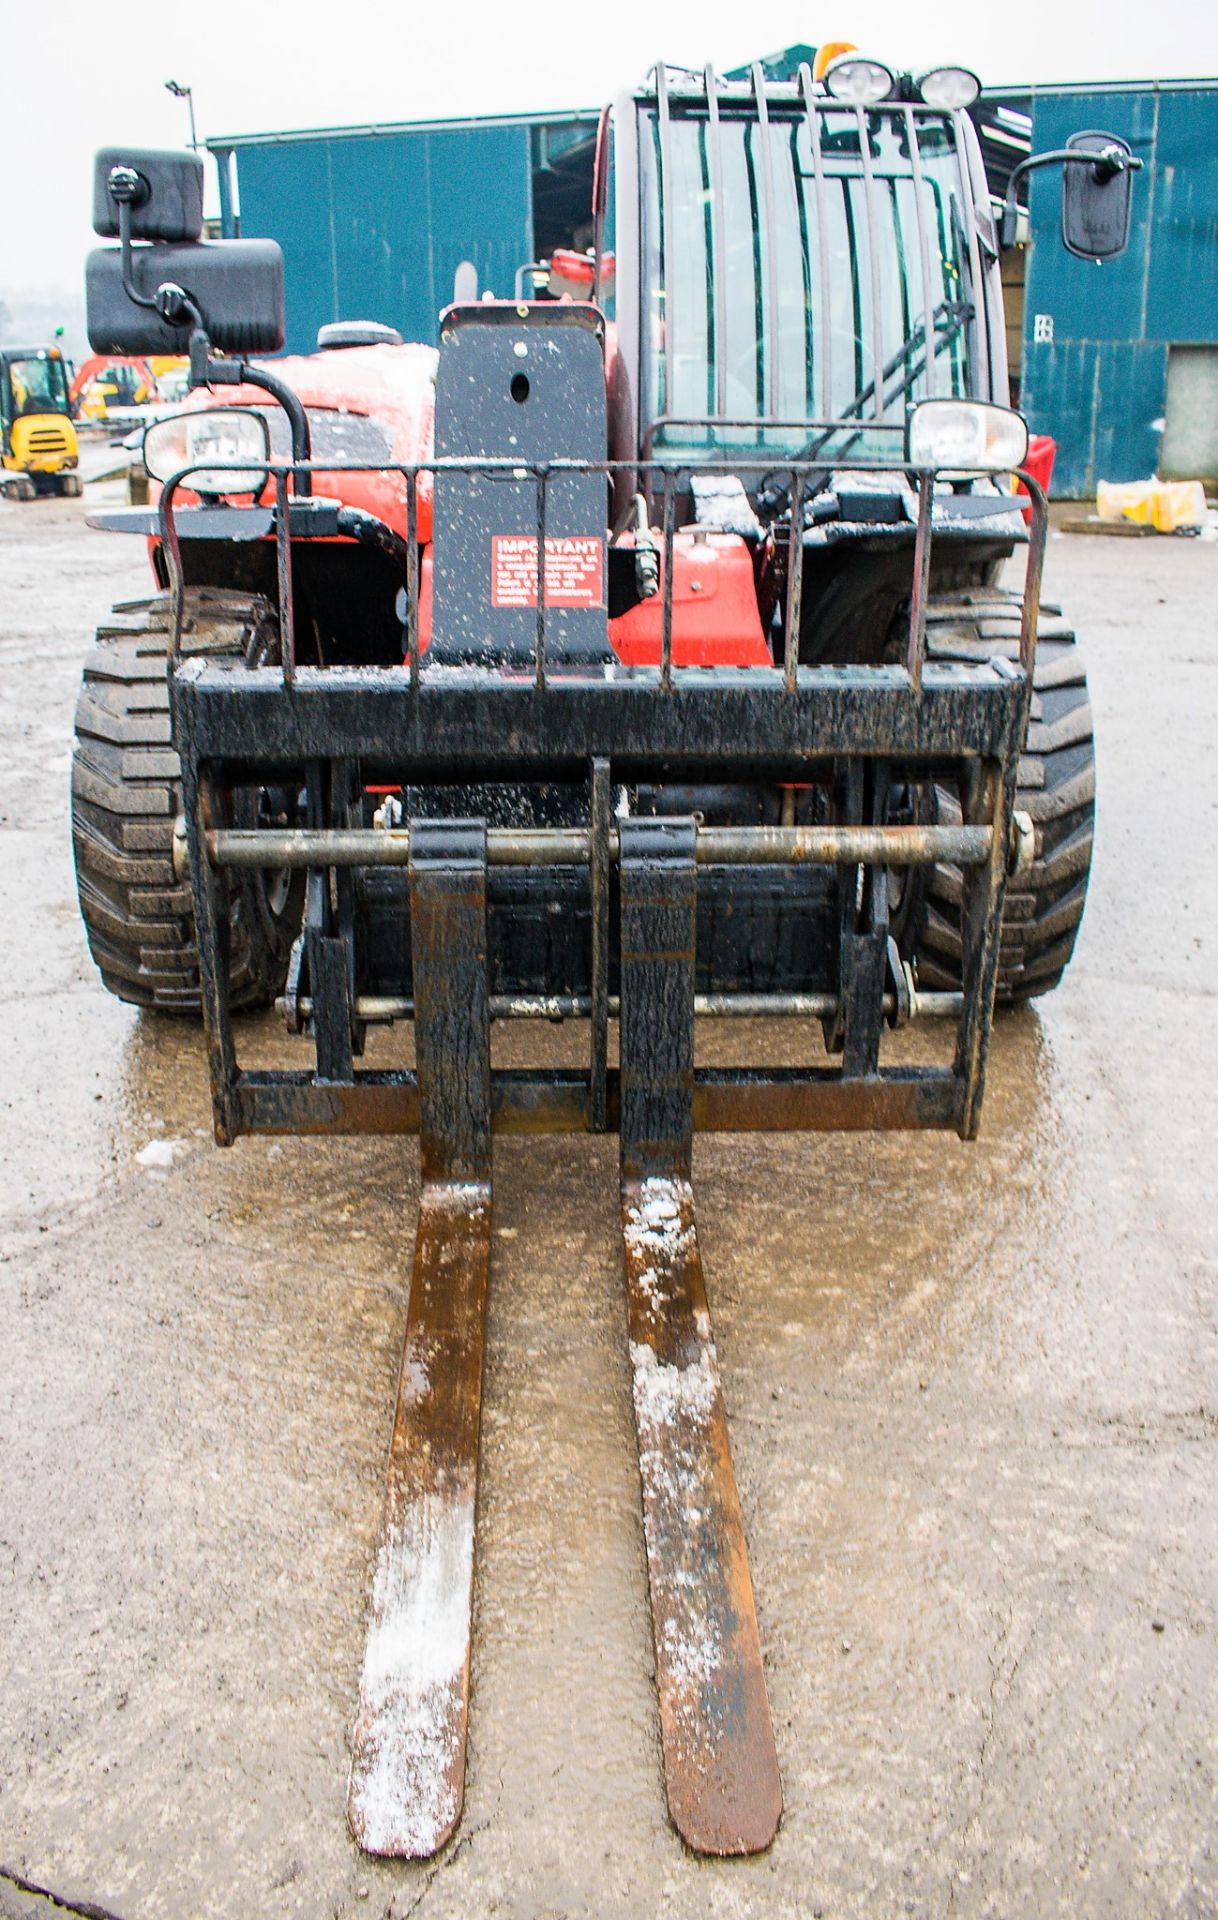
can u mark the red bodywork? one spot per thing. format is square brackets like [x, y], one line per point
[395, 385]
[1042, 451]
[715, 622]
[715, 614]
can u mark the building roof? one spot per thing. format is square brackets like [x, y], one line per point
[574, 116]
[776, 65]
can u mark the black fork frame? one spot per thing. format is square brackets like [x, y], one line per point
[849, 728]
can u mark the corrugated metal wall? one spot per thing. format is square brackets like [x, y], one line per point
[373, 225]
[1099, 385]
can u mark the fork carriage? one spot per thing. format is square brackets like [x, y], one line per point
[580, 743]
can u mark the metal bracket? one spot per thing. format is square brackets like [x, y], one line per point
[658, 880]
[451, 997]
[855, 1027]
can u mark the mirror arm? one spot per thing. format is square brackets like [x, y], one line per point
[1104, 165]
[242, 373]
[127, 190]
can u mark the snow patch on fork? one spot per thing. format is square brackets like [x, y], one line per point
[720, 1763]
[408, 1749]
[414, 1680]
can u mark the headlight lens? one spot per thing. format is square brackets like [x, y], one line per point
[221, 433]
[966, 436]
[860, 81]
[949, 87]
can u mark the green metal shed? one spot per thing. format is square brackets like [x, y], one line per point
[1120, 361]
[373, 221]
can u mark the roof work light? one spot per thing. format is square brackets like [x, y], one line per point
[859, 81]
[949, 87]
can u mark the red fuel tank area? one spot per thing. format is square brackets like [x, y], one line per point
[715, 622]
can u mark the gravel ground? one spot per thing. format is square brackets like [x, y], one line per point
[973, 1394]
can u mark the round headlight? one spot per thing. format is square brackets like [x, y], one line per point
[229, 434]
[949, 87]
[858, 81]
[966, 436]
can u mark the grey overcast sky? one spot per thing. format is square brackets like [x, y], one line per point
[78, 75]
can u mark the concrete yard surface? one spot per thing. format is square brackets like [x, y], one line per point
[973, 1394]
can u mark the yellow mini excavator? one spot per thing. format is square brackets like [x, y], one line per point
[38, 450]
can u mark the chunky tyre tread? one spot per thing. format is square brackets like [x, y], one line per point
[126, 794]
[1044, 907]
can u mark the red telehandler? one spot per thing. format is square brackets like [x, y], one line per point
[636, 660]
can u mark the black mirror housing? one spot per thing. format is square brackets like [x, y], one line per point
[237, 286]
[1096, 200]
[167, 203]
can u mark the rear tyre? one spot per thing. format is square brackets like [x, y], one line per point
[1044, 906]
[127, 793]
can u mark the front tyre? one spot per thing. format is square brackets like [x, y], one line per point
[127, 793]
[1056, 786]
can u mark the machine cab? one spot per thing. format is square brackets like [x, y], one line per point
[786, 258]
[33, 381]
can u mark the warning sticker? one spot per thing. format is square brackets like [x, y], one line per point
[574, 570]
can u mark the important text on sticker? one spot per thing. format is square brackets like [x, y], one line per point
[574, 570]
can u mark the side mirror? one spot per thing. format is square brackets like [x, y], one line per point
[1096, 199]
[1097, 189]
[236, 286]
[156, 299]
[182, 294]
[165, 194]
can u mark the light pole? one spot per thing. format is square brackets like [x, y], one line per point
[180, 92]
